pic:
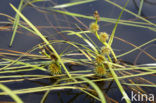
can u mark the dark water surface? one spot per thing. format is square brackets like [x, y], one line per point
[25, 40]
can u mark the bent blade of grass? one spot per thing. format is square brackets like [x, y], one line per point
[43, 38]
[123, 22]
[130, 51]
[8, 16]
[27, 64]
[21, 76]
[52, 87]
[16, 22]
[99, 92]
[39, 89]
[49, 88]
[115, 27]
[136, 68]
[86, 35]
[107, 79]
[17, 71]
[103, 79]
[79, 82]
[136, 75]
[140, 7]
[115, 77]
[142, 85]
[82, 89]
[109, 1]
[149, 64]
[83, 38]
[76, 45]
[45, 96]
[83, 52]
[10, 93]
[25, 28]
[33, 1]
[73, 4]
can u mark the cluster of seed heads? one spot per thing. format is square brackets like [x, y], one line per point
[100, 67]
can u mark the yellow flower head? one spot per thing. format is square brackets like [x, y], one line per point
[93, 27]
[104, 36]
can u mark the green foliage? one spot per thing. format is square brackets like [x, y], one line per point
[10, 93]
[103, 63]
[73, 4]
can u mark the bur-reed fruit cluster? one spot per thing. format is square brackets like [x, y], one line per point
[54, 68]
[94, 27]
[100, 70]
[104, 36]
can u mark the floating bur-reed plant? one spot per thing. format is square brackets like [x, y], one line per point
[99, 57]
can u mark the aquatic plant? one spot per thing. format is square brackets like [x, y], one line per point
[98, 66]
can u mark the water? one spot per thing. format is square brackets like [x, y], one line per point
[25, 40]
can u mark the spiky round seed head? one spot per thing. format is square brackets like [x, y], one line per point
[105, 50]
[104, 36]
[54, 69]
[100, 70]
[99, 59]
[93, 27]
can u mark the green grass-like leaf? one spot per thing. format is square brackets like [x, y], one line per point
[115, 27]
[126, 10]
[16, 22]
[140, 85]
[123, 22]
[42, 37]
[140, 7]
[73, 4]
[99, 92]
[10, 93]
